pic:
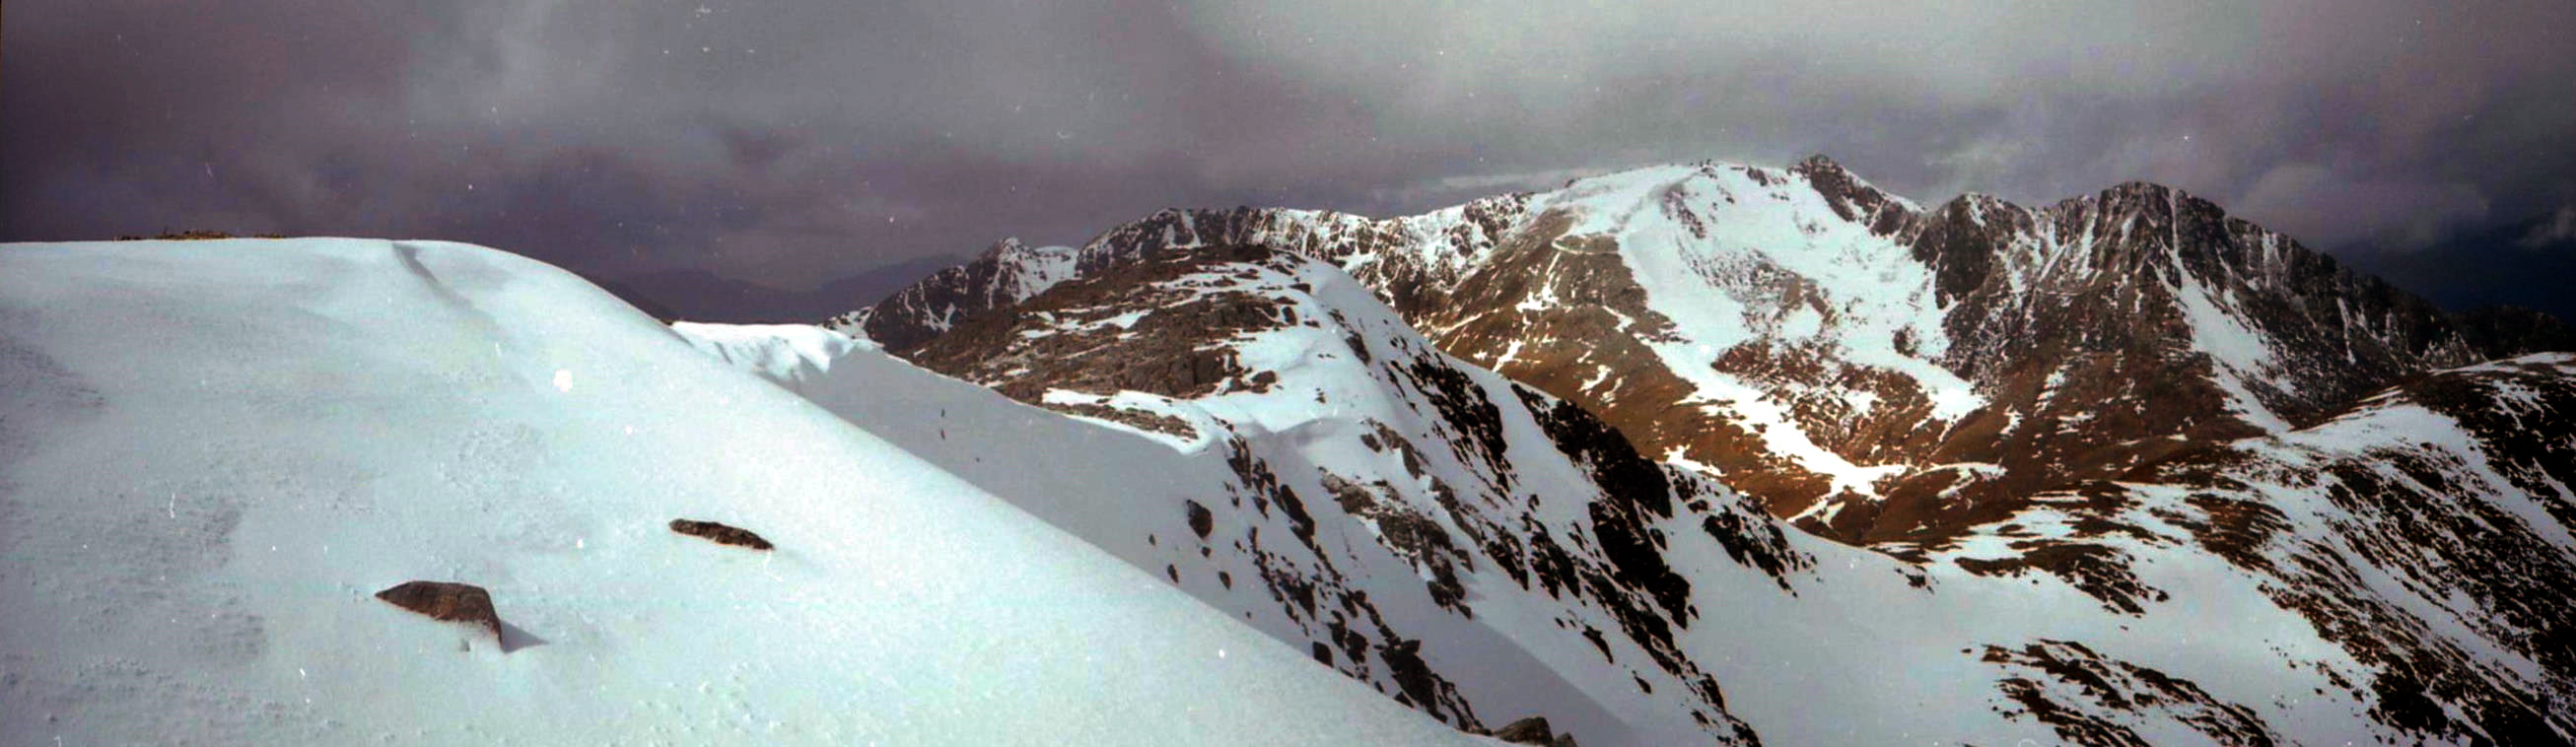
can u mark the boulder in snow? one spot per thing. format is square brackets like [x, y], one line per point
[442, 600]
[720, 534]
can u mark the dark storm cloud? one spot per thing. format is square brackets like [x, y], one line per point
[789, 141]
[2341, 121]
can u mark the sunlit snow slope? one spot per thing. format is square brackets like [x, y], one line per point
[213, 453]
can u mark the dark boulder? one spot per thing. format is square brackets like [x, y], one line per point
[446, 601]
[1533, 730]
[719, 533]
[1201, 521]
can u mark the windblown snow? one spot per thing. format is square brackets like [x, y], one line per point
[213, 453]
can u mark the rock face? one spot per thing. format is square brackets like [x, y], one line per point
[1004, 274]
[1161, 343]
[441, 600]
[719, 533]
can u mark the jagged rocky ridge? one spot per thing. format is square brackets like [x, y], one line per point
[1871, 367]
[2069, 372]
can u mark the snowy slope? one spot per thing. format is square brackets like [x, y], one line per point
[2422, 533]
[2428, 527]
[213, 453]
[1843, 646]
[2086, 616]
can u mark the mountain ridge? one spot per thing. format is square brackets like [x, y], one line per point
[2252, 309]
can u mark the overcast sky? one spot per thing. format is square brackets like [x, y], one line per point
[786, 142]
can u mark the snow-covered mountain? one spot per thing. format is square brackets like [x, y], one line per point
[2084, 448]
[213, 453]
[2081, 615]
[1872, 367]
